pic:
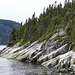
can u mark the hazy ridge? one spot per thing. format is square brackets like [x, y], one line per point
[5, 29]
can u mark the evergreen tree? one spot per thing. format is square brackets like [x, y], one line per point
[12, 38]
[52, 19]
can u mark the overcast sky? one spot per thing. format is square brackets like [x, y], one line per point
[20, 10]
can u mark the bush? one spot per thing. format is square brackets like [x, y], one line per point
[73, 48]
[22, 43]
[64, 42]
[41, 39]
[57, 38]
[55, 31]
[45, 37]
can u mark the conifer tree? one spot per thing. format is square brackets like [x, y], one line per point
[12, 38]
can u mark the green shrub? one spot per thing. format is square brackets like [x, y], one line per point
[41, 39]
[22, 43]
[73, 48]
[45, 37]
[57, 38]
[55, 31]
[48, 36]
[64, 42]
[57, 41]
[60, 40]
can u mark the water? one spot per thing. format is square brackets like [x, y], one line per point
[2, 46]
[14, 67]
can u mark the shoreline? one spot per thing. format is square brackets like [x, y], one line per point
[49, 53]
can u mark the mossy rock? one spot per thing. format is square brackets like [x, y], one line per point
[45, 63]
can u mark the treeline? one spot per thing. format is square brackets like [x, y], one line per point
[53, 18]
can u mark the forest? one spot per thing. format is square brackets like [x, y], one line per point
[53, 18]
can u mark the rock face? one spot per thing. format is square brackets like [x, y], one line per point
[49, 53]
[58, 51]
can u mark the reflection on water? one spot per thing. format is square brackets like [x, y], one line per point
[12, 67]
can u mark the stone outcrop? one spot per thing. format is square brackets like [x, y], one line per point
[49, 53]
[58, 51]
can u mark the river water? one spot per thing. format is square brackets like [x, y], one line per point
[13, 67]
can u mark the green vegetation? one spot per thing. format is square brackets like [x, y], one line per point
[13, 37]
[74, 48]
[45, 37]
[58, 38]
[49, 22]
[45, 63]
[44, 72]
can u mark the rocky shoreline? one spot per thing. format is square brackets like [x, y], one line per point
[49, 53]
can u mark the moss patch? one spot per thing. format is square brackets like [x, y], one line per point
[45, 63]
[73, 48]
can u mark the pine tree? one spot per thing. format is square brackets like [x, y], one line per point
[12, 38]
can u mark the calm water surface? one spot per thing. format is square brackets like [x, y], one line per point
[13, 67]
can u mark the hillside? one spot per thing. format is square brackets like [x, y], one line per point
[5, 29]
[49, 22]
[48, 40]
[53, 53]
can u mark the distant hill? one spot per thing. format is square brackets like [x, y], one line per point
[5, 29]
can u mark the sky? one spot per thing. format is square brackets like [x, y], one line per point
[20, 10]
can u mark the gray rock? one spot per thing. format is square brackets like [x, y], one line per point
[62, 61]
[26, 45]
[34, 59]
[62, 32]
[59, 51]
